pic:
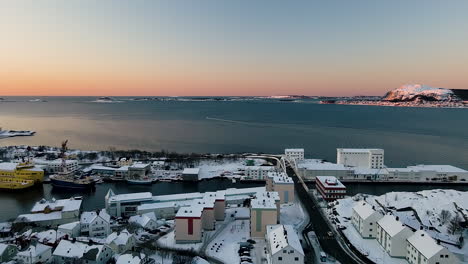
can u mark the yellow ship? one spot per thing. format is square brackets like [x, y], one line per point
[19, 175]
[15, 184]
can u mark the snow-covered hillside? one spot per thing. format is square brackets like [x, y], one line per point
[413, 92]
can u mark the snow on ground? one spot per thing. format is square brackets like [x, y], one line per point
[427, 205]
[168, 241]
[224, 168]
[225, 246]
[293, 214]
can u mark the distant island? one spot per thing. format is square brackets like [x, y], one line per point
[413, 95]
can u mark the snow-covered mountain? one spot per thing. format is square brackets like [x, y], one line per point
[415, 92]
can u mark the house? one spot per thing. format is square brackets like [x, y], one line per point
[422, 248]
[146, 221]
[134, 259]
[95, 224]
[35, 253]
[139, 170]
[121, 173]
[121, 242]
[258, 172]
[71, 252]
[330, 188]
[263, 212]
[7, 252]
[124, 161]
[392, 235]
[191, 174]
[365, 218]
[52, 213]
[283, 245]
[71, 230]
[188, 224]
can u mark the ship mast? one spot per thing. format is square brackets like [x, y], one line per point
[63, 155]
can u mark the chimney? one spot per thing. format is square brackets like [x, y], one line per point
[438, 241]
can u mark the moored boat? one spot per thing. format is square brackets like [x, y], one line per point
[142, 181]
[15, 184]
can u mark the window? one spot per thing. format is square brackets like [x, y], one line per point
[296, 259]
[284, 251]
[280, 258]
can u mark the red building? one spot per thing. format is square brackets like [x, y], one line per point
[330, 188]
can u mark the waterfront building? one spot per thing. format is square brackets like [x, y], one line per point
[311, 168]
[7, 252]
[294, 154]
[146, 221]
[125, 204]
[53, 213]
[428, 173]
[392, 235]
[282, 184]
[121, 242]
[95, 224]
[188, 224]
[55, 166]
[264, 211]
[124, 161]
[367, 158]
[330, 188]
[78, 252]
[35, 253]
[159, 165]
[121, 174]
[191, 174]
[100, 169]
[258, 172]
[71, 230]
[283, 245]
[422, 248]
[139, 170]
[365, 218]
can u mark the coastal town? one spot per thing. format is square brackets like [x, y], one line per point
[299, 209]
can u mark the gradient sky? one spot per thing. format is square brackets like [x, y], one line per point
[215, 47]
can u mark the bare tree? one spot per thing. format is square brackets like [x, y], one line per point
[454, 225]
[445, 216]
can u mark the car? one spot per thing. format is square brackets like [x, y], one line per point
[251, 241]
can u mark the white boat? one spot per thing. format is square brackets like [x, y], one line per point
[15, 133]
[142, 181]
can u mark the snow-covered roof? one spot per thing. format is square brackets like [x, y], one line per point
[315, 164]
[280, 236]
[142, 196]
[330, 182]
[39, 217]
[283, 180]
[359, 150]
[391, 225]
[190, 211]
[142, 220]
[65, 205]
[69, 249]
[119, 238]
[128, 259]
[139, 166]
[369, 171]
[123, 168]
[47, 236]
[438, 168]
[363, 209]
[177, 197]
[424, 243]
[149, 206]
[69, 226]
[191, 171]
[88, 217]
[34, 250]
[98, 167]
[294, 150]
[263, 203]
[263, 168]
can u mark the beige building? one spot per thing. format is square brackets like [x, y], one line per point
[188, 225]
[264, 210]
[365, 219]
[392, 235]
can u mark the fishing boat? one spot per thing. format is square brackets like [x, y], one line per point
[66, 180]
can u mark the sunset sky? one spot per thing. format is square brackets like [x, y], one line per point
[215, 47]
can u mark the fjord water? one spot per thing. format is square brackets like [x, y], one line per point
[408, 135]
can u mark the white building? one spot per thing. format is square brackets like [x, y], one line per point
[146, 221]
[125, 204]
[52, 213]
[191, 174]
[55, 166]
[311, 168]
[258, 172]
[95, 224]
[422, 248]
[367, 158]
[71, 252]
[121, 242]
[428, 173]
[294, 154]
[392, 235]
[365, 218]
[283, 245]
[72, 229]
[37, 253]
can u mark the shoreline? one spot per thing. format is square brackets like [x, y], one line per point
[400, 104]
